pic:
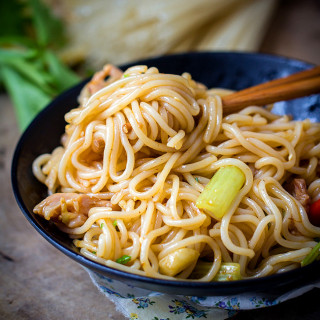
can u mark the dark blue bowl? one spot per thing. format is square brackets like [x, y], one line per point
[215, 69]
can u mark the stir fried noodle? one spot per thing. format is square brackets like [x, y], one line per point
[138, 152]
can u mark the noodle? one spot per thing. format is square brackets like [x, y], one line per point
[139, 150]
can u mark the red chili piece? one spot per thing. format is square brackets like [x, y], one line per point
[314, 213]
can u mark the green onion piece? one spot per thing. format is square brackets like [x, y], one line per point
[221, 191]
[312, 256]
[115, 223]
[124, 259]
[228, 271]
[201, 269]
[65, 217]
[94, 252]
[101, 225]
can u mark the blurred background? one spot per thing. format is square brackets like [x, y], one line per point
[122, 31]
[125, 30]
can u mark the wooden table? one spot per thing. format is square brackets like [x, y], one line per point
[39, 282]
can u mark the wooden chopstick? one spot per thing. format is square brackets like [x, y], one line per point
[294, 86]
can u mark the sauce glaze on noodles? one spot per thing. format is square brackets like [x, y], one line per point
[150, 142]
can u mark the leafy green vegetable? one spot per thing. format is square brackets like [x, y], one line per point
[14, 23]
[312, 256]
[49, 29]
[10, 56]
[61, 76]
[28, 100]
[124, 259]
[30, 70]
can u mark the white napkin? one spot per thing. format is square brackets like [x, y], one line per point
[136, 303]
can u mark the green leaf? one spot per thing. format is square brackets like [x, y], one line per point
[62, 77]
[12, 18]
[8, 41]
[49, 29]
[11, 55]
[31, 71]
[28, 98]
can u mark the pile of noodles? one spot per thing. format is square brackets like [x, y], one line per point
[150, 142]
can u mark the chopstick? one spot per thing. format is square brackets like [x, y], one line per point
[294, 86]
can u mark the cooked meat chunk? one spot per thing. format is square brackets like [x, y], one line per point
[98, 80]
[98, 145]
[298, 188]
[69, 208]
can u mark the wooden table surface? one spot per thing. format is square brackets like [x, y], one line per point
[39, 282]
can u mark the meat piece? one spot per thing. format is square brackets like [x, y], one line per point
[98, 80]
[98, 145]
[293, 228]
[298, 188]
[69, 208]
[126, 128]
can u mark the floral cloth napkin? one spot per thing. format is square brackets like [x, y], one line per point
[142, 304]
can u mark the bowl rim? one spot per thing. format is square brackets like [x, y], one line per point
[244, 285]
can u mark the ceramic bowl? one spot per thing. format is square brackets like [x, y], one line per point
[215, 69]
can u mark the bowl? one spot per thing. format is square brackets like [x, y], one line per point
[231, 70]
